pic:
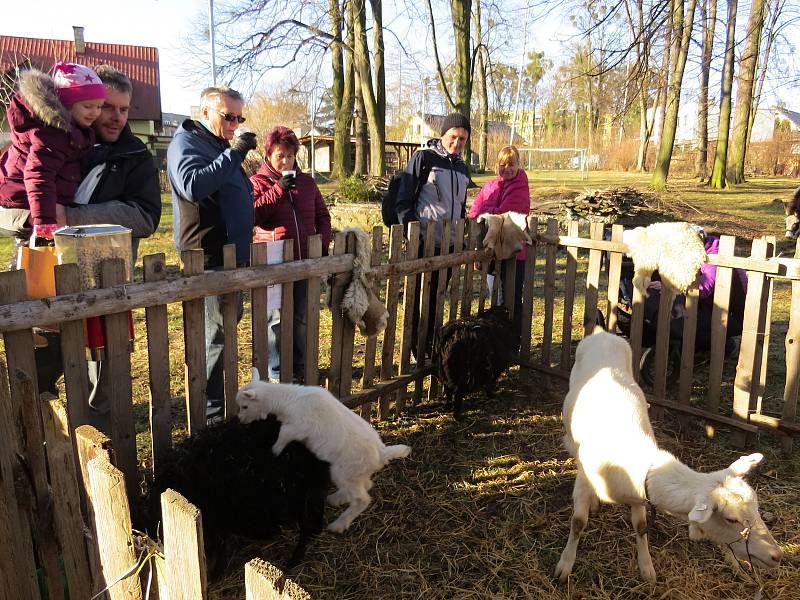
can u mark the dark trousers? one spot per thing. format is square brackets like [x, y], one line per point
[415, 318]
[299, 292]
[215, 345]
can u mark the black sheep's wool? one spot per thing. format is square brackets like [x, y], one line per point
[229, 472]
[471, 354]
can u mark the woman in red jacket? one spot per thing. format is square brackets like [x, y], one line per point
[508, 192]
[288, 205]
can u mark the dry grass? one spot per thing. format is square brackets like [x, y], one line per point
[481, 510]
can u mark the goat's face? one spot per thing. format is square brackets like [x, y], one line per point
[729, 516]
[249, 400]
[792, 226]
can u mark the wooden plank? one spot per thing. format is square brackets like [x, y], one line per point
[113, 526]
[312, 316]
[348, 337]
[687, 345]
[473, 242]
[230, 327]
[337, 293]
[120, 390]
[67, 499]
[29, 443]
[258, 313]
[757, 393]
[441, 285]
[287, 322]
[570, 273]
[791, 389]
[264, 581]
[549, 293]
[385, 387]
[371, 343]
[157, 322]
[194, 341]
[426, 296]
[662, 349]
[592, 281]
[184, 557]
[703, 414]
[751, 344]
[393, 286]
[614, 275]
[509, 283]
[498, 283]
[456, 271]
[17, 566]
[528, 291]
[637, 324]
[719, 324]
[483, 277]
[73, 351]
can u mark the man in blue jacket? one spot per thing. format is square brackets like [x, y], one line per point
[212, 201]
[433, 187]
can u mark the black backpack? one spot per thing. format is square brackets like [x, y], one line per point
[389, 198]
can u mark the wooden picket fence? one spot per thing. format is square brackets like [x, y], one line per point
[80, 481]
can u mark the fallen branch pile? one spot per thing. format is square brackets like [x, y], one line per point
[599, 205]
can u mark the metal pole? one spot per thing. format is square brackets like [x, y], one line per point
[576, 127]
[313, 119]
[211, 39]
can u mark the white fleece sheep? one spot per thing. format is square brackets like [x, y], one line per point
[333, 432]
[674, 249]
[506, 234]
[608, 431]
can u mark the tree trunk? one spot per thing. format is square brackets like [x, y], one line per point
[709, 19]
[681, 37]
[375, 119]
[664, 79]
[718, 176]
[483, 96]
[462, 11]
[342, 89]
[744, 95]
[380, 78]
[774, 9]
[360, 123]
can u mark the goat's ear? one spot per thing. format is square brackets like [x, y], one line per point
[701, 512]
[256, 375]
[745, 464]
[598, 329]
[247, 394]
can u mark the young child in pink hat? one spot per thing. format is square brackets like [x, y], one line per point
[50, 118]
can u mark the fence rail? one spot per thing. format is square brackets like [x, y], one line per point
[568, 281]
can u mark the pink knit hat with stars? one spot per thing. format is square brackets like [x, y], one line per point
[76, 83]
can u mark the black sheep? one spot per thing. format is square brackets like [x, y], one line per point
[228, 471]
[471, 353]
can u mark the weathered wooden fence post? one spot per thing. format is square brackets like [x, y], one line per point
[264, 581]
[183, 549]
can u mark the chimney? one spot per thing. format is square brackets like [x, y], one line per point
[80, 45]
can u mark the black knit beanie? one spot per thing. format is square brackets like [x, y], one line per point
[455, 120]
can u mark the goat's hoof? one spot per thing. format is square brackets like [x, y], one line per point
[337, 527]
[335, 499]
[648, 573]
[562, 572]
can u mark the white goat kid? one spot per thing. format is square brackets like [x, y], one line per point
[333, 432]
[608, 431]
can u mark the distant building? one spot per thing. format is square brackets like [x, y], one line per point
[139, 63]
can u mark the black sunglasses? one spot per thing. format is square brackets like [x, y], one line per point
[232, 118]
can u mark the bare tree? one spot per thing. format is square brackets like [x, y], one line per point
[682, 32]
[718, 176]
[708, 12]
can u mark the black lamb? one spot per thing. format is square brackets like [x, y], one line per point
[228, 471]
[472, 353]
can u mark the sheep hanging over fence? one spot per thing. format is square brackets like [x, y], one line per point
[608, 431]
[332, 431]
[470, 354]
[675, 250]
[228, 471]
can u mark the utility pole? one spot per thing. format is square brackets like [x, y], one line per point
[211, 39]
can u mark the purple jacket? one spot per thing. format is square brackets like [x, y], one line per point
[294, 214]
[42, 165]
[708, 272]
[497, 197]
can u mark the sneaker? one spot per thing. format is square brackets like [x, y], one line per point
[214, 408]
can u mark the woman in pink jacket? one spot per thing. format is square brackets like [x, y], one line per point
[508, 192]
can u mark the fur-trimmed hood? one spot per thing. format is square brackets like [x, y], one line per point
[37, 97]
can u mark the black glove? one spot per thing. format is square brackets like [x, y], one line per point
[244, 143]
[287, 182]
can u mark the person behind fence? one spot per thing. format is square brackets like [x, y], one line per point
[433, 187]
[50, 120]
[212, 201]
[288, 206]
[120, 186]
[508, 192]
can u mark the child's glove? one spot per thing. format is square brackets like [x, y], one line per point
[43, 235]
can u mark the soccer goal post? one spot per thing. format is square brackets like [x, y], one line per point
[556, 160]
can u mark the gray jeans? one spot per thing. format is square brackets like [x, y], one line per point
[14, 224]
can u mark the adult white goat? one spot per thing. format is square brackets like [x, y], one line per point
[608, 431]
[333, 432]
